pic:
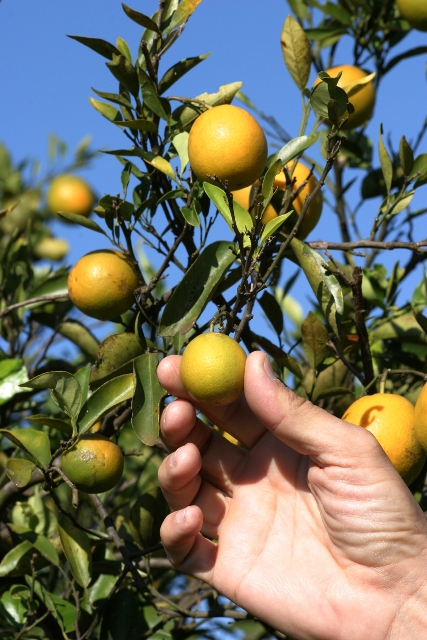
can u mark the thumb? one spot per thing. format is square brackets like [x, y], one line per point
[301, 425]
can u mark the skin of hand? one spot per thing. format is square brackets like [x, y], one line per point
[315, 532]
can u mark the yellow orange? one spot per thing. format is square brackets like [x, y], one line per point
[363, 101]
[102, 284]
[213, 369]
[94, 464]
[421, 417]
[415, 12]
[71, 194]
[228, 142]
[390, 418]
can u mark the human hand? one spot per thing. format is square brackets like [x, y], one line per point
[317, 535]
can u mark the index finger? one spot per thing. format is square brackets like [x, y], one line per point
[236, 418]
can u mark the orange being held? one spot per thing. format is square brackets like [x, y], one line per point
[363, 101]
[391, 419]
[226, 141]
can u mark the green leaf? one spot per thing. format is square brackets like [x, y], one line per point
[159, 106]
[74, 331]
[62, 611]
[325, 286]
[268, 182]
[402, 203]
[419, 169]
[14, 608]
[385, 160]
[106, 110]
[421, 319]
[272, 226]
[315, 338]
[125, 73]
[190, 216]
[124, 49]
[38, 541]
[243, 218]
[325, 91]
[146, 401]
[13, 374]
[54, 423]
[185, 115]
[114, 97]
[140, 18]
[19, 471]
[299, 8]
[88, 223]
[102, 47]
[272, 310]
[147, 515]
[159, 163]
[76, 546]
[116, 354]
[123, 617]
[178, 70]
[183, 12]
[296, 52]
[34, 443]
[180, 142]
[109, 395]
[64, 389]
[138, 125]
[406, 156]
[196, 288]
[13, 558]
[296, 146]
[416, 51]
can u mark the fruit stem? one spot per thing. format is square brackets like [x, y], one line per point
[383, 380]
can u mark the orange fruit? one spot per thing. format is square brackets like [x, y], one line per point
[415, 12]
[313, 213]
[228, 142]
[102, 284]
[213, 369]
[390, 418]
[94, 464]
[421, 417]
[71, 194]
[363, 101]
[48, 248]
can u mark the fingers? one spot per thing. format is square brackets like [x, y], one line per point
[185, 547]
[236, 418]
[301, 425]
[182, 485]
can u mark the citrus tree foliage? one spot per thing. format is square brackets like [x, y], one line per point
[76, 565]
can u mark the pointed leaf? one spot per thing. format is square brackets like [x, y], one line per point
[138, 125]
[268, 182]
[180, 142]
[54, 423]
[416, 51]
[402, 203]
[406, 156]
[61, 610]
[183, 12]
[296, 52]
[243, 218]
[111, 394]
[421, 319]
[39, 542]
[159, 163]
[115, 353]
[178, 70]
[146, 401]
[13, 374]
[147, 515]
[106, 110]
[64, 389]
[191, 216]
[160, 106]
[325, 91]
[296, 146]
[19, 471]
[125, 73]
[196, 288]
[114, 97]
[102, 47]
[315, 338]
[272, 310]
[272, 226]
[185, 115]
[34, 443]
[76, 546]
[13, 557]
[88, 223]
[325, 286]
[140, 18]
[385, 160]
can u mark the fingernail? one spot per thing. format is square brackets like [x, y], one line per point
[180, 516]
[173, 460]
[269, 369]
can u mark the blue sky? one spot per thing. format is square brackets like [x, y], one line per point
[47, 80]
